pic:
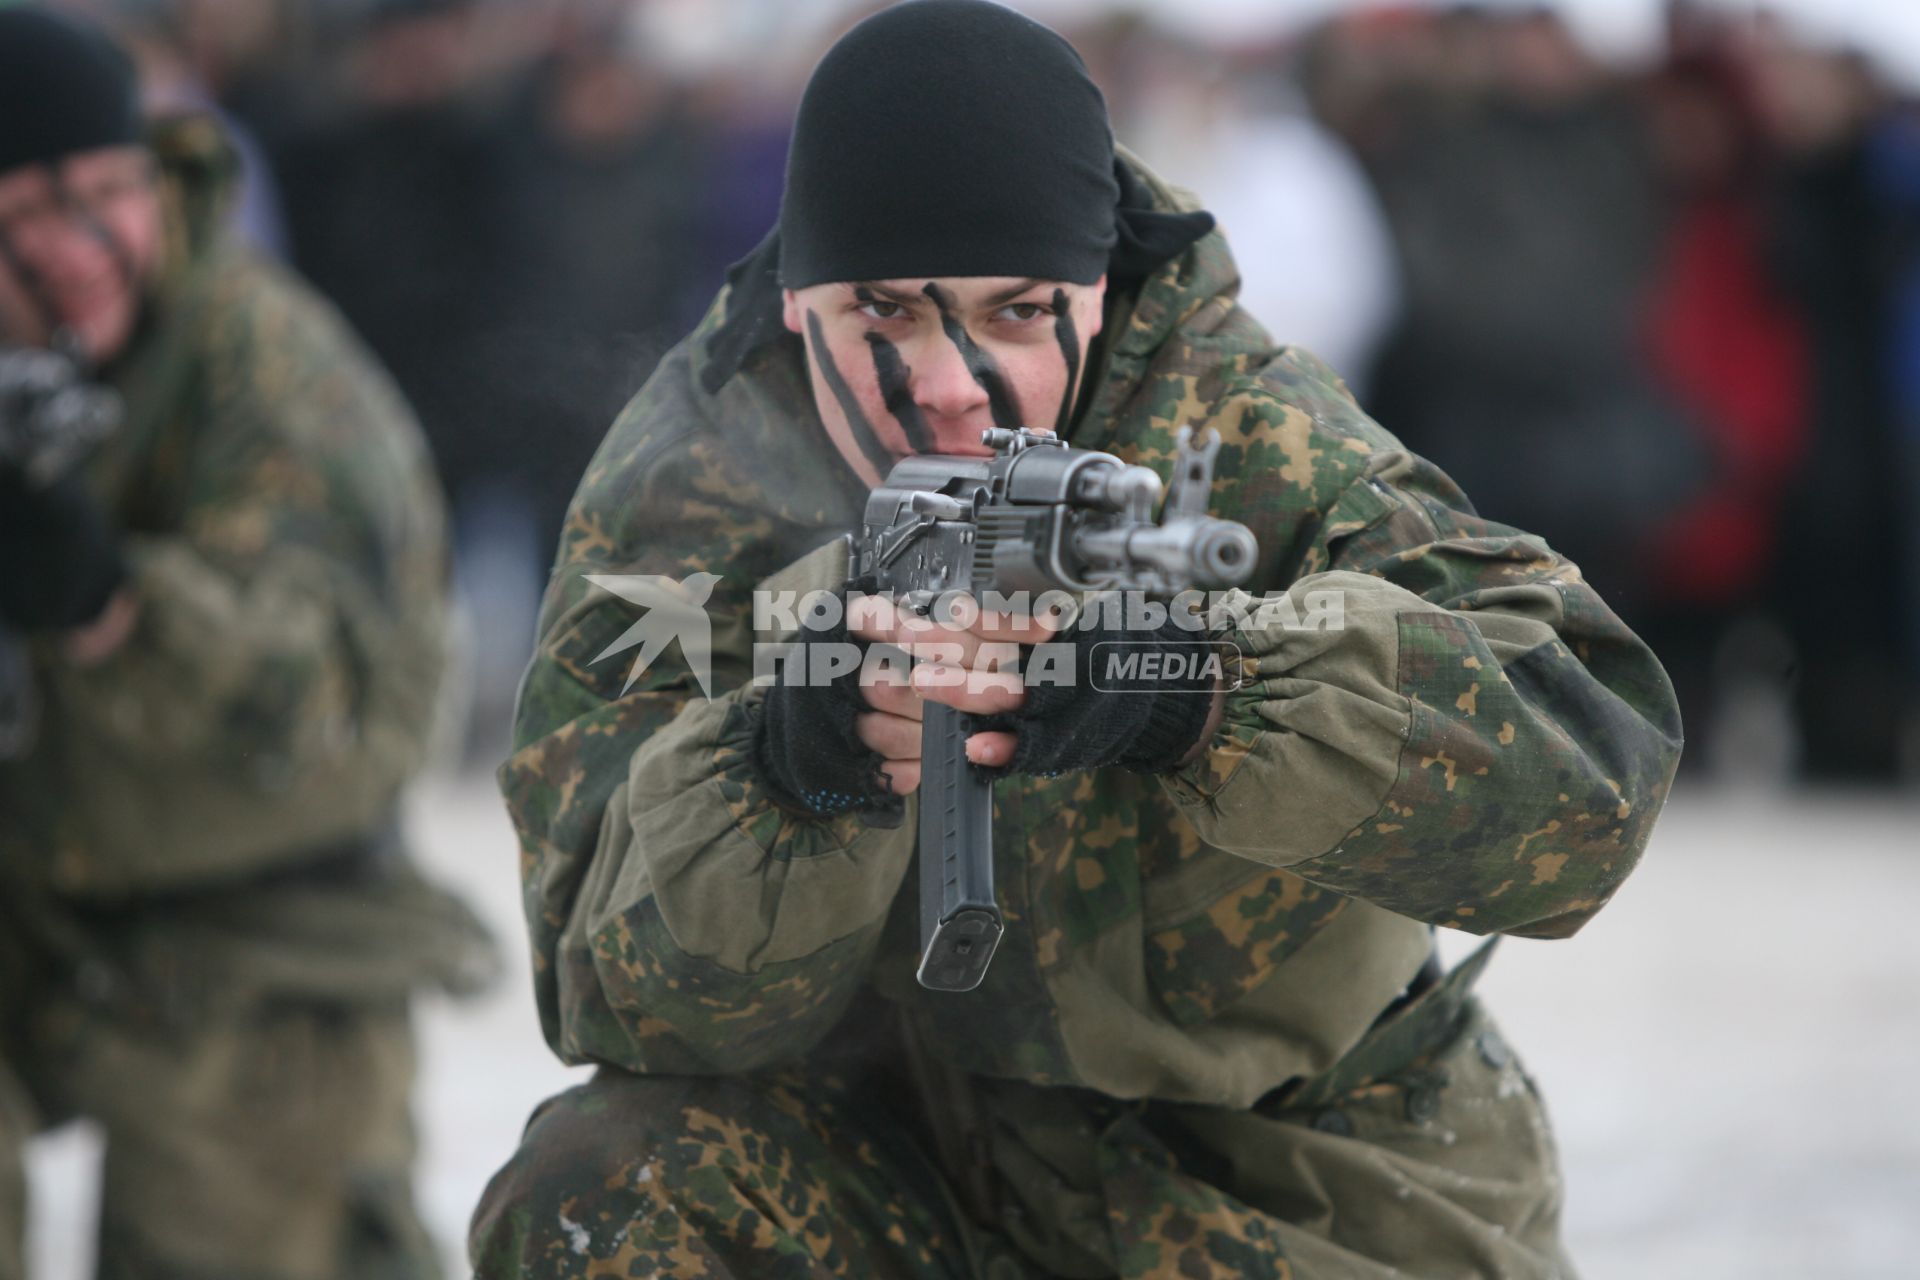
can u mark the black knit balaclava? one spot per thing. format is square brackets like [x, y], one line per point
[949, 138]
[64, 88]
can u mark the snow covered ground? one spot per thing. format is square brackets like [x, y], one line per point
[1731, 1050]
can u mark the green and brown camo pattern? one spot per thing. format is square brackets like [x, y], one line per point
[796, 1175]
[785, 1177]
[812, 1172]
[1526, 790]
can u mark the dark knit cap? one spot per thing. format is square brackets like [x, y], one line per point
[64, 88]
[949, 138]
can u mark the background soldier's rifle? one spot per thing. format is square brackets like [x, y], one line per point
[50, 419]
[1035, 517]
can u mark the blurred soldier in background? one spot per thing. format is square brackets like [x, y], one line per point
[1214, 1041]
[209, 927]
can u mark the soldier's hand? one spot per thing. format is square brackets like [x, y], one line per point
[59, 556]
[1060, 721]
[807, 744]
[974, 668]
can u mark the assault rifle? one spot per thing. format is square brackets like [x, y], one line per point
[1038, 516]
[50, 419]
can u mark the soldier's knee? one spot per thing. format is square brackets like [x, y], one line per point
[628, 1170]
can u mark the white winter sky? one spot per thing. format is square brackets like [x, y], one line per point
[1886, 30]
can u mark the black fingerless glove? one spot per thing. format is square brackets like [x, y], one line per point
[59, 558]
[804, 744]
[1131, 714]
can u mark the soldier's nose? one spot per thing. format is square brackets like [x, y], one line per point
[943, 386]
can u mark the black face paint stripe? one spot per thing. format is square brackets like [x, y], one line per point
[863, 435]
[894, 378]
[34, 286]
[896, 383]
[1069, 340]
[979, 363]
[122, 260]
[31, 284]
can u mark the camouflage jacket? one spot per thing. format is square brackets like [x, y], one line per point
[1484, 746]
[283, 529]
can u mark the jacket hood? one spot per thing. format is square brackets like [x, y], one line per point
[1190, 300]
[199, 182]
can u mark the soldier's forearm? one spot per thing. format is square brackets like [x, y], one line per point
[281, 668]
[1465, 768]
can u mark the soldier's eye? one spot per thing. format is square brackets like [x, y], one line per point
[1024, 312]
[881, 309]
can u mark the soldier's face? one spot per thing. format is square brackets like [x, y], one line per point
[78, 242]
[925, 365]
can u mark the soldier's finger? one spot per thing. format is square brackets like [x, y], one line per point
[873, 618]
[1036, 627]
[958, 621]
[961, 620]
[979, 692]
[967, 649]
[930, 639]
[903, 776]
[995, 747]
[886, 664]
[956, 648]
[895, 737]
[896, 699]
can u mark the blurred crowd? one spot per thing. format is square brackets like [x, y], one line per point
[1666, 319]
[1666, 315]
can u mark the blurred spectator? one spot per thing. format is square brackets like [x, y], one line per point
[1675, 318]
[595, 180]
[386, 164]
[1895, 150]
[746, 132]
[501, 199]
[1844, 534]
[598, 183]
[744, 96]
[1310, 240]
[1315, 256]
[1372, 75]
[1734, 350]
[1525, 205]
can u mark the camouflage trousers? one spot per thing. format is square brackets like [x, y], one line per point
[1448, 1169]
[275, 1145]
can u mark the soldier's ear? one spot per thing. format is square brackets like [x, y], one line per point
[790, 311]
